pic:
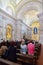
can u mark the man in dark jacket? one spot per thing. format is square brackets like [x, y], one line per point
[11, 53]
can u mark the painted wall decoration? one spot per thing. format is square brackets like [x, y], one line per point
[35, 30]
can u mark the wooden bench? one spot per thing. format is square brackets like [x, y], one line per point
[6, 62]
[25, 58]
[38, 48]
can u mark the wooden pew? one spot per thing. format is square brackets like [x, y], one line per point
[38, 48]
[6, 62]
[25, 58]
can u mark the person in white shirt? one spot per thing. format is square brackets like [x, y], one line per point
[23, 47]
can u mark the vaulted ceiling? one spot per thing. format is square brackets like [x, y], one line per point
[27, 10]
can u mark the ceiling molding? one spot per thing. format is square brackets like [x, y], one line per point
[25, 7]
[20, 6]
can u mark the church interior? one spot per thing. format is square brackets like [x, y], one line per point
[21, 32]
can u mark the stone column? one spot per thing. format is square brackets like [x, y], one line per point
[18, 30]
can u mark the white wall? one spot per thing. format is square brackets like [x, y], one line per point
[4, 20]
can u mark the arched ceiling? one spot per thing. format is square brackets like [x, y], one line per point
[9, 5]
[29, 5]
[23, 2]
[27, 10]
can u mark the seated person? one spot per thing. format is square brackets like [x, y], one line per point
[31, 48]
[3, 48]
[11, 53]
[23, 47]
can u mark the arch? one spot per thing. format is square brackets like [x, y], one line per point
[11, 8]
[28, 6]
[24, 7]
